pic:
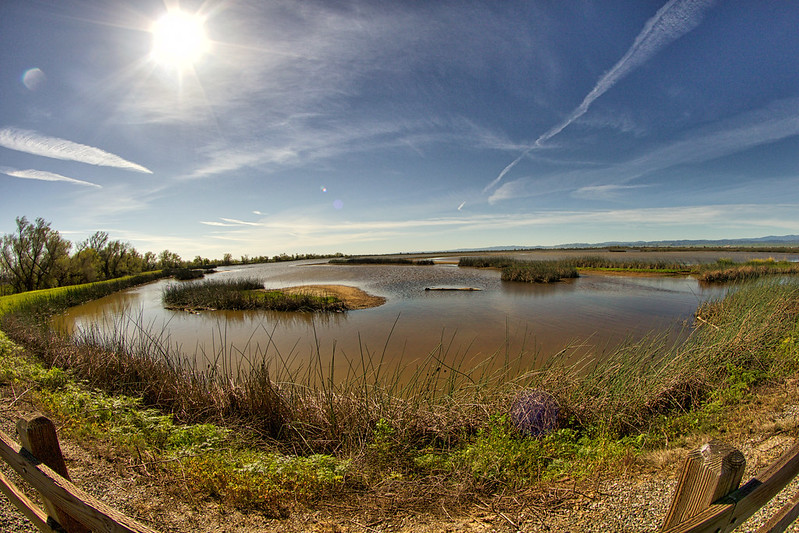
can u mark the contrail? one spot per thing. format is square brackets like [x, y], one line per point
[671, 22]
[36, 144]
[43, 175]
[240, 222]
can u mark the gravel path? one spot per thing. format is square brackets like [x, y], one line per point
[635, 501]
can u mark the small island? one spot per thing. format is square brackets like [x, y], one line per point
[250, 294]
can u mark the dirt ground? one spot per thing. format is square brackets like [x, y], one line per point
[353, 297]
[635, 500]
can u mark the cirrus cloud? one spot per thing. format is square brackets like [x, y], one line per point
[43, 175]
[34, 143]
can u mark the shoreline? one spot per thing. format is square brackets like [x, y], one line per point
[352, 297]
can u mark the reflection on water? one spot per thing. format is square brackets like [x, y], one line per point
[531, 321]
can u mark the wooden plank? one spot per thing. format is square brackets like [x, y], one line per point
[785, 517]
[38, 436]
[732, 510]
[31, 511]
[709, 473]
[84, 507]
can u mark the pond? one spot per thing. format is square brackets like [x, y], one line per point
[529, 322]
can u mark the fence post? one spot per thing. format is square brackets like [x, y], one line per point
[38, 436]
[709, 473]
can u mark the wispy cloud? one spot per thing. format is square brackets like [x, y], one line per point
[219, 224]
[43, 175]
[671, 22]
[776, 121]
[230, 223]
[240, 222]
[604, 192]
[292, 233]
[34, 143]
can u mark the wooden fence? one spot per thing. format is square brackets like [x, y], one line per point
[708, 497]
[67, 508]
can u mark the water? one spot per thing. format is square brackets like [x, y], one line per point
[590, 314]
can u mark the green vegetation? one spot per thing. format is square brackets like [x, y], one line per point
[380, 261]
[37, 257]
[538, 272]
[252, 437]
[185, 274]
[258, 435]
[524, 271]
[51, 301]
[723, 270]
[246, 294]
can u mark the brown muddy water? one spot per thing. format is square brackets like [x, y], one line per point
[588, 315]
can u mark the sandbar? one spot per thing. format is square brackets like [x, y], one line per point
[353, 297]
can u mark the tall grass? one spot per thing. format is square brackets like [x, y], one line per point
[724, 270]
[245, 294]
[524, 271]
[538, 272]
[721, 271]
[441, 421]
[621, 391]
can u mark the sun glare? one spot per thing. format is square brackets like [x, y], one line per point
[179, 39]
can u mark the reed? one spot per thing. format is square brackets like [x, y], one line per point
[245, 294]
[441, 421]
[523, 271]
[539, 272]
[724, 270]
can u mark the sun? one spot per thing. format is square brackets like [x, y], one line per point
[179, 39]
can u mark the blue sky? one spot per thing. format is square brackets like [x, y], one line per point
[391, 126]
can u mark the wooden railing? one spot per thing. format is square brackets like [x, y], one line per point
[67, 508]
[708, 496]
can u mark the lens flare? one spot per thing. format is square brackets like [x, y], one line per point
[179, 39]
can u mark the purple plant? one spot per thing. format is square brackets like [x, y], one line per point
[534, 412]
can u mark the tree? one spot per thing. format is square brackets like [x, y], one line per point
[112, 257]
[167, 259]
[150, 261]
[30, 256]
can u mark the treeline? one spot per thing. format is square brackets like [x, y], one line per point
[36, 256]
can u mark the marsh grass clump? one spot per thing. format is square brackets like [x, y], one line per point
[487, 261]
[523, 271]
[184, 274]
[539, 272]
[725, 270]
[245, 294]
[597, 262]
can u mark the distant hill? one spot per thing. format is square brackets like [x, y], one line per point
[771, 240]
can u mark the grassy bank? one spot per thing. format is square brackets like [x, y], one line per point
[49, 301]
[247, 294]
[444, 433]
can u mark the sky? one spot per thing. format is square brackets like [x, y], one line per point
[258, 127]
